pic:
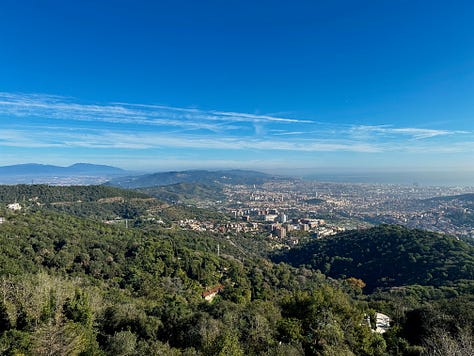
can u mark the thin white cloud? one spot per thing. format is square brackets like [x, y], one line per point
[257, 118]
[217, 115]
[416, 133]
[294, 133]
[145, 140]
[54, 107]
[142, 127]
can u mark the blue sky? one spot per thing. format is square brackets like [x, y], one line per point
[296, 86]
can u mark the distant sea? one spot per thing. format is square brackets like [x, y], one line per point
[459, 179]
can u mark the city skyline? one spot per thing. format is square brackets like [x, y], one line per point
[342, 87]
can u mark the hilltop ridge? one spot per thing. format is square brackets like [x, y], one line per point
[388, 256]
[233, 176]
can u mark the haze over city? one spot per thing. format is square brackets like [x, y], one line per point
[306, 88]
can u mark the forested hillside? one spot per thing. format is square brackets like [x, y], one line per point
[186, 193]
[46, 194]
[82, 287]
[72, 284]
[387, 256]
[99, 202]
[234, 176]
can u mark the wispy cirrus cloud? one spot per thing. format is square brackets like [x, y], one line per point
[34, 120]
[55, 107]
[416, 133]
[97, 139]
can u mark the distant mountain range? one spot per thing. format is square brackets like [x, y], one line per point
[79, 173]
[193, 176]
[85, 173]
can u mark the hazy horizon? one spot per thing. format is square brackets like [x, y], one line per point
[328, 174]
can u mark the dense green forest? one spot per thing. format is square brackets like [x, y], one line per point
[71, 284]
[186, 193]
[87, 287]
[100, 203]
[387, 256]
[47, 194]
